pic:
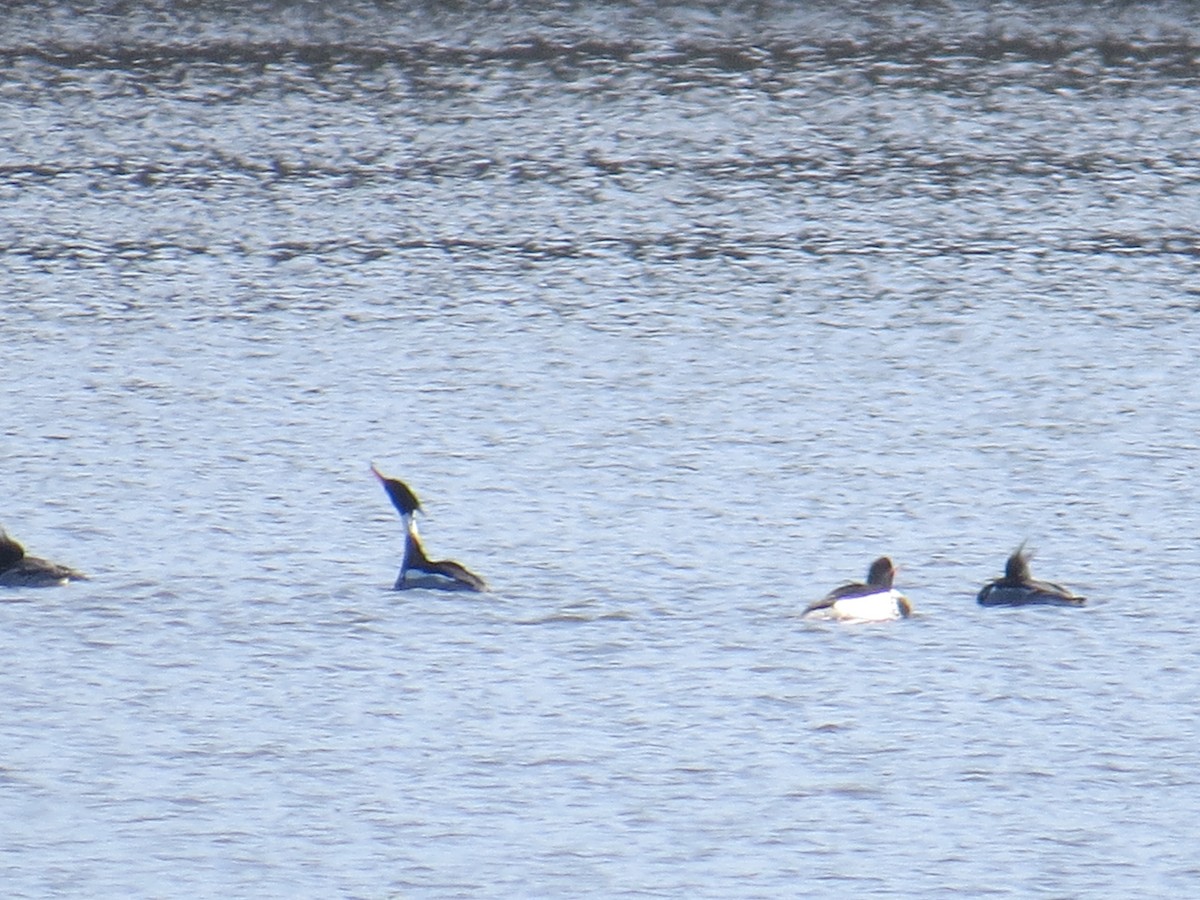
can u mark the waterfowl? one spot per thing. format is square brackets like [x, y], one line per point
[19, 570]
[446, 573]
[874, 601]
[1017, 588]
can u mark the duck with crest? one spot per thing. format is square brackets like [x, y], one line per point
[1018, 587]
[19, 570]
[417, 569]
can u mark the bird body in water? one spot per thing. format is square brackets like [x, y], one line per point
[19, 570]
[445, 573]
[872, 601]
[1018, 587]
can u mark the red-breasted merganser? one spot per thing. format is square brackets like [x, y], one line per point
[875, 601]
[19, 570]
[445, 573]
[1017, 588]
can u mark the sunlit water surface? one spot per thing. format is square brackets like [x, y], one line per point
[675, 317]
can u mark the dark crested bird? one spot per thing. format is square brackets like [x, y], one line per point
[19, 570]
[1018, 588]
[873, 601]
[445, 573]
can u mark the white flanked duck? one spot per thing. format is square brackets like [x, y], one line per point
[19, 570]
[445, 574]
[874, 601]
[1018, 588]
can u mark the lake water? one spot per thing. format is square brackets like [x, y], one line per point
[675, 317]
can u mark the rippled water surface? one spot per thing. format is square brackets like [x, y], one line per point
[675, 316]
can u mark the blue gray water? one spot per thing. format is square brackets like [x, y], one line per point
[675, 317]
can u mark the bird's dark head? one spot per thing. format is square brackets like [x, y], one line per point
[402, 498]
[1017, 567]
[11, 552]
[882, 573]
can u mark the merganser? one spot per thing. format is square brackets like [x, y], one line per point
[446, 573]
[875, 601]
[19, 570]
[1017, 588]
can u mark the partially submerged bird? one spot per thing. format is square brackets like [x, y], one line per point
[874, 601]
[1017, 588]
[19, 570]
[445, 574]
